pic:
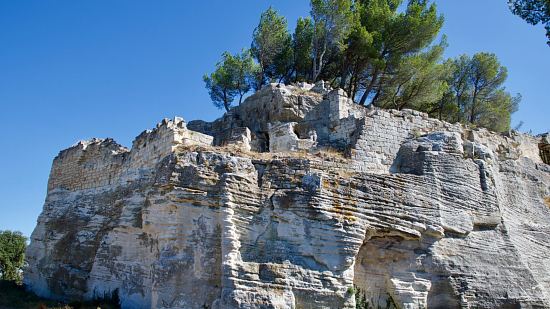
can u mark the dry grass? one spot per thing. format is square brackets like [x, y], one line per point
[547, 201]
[303, 92]
[327, 154]
[330, 154]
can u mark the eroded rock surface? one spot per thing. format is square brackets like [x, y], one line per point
[297, 199]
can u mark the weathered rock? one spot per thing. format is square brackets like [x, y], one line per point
[544, 148]
[411, 211]
[283, 137]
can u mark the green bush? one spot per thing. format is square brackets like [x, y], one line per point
[12, 255]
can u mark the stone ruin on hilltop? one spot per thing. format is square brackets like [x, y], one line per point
[299, 198]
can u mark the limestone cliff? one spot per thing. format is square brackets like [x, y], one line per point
[293, 199]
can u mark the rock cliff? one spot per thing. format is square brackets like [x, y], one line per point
[299, 198]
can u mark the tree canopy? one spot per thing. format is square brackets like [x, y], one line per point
[476, 88]
[12, 255]
[234, 76]
[272, 47]
[382, 53]
[533, 12]
[302, 42]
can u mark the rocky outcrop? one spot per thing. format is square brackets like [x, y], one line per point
[299, 198]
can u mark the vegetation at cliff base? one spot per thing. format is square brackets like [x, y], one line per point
[12, 255]
[383, 53]
[14, 296]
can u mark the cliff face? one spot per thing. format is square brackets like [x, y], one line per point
[291, 200]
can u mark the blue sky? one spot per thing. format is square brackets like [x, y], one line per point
[72, 70]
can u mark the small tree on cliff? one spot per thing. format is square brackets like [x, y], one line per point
[243, 70]
[272, 48]
[12, 255]
[233, 76]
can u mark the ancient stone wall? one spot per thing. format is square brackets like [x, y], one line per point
[376, 142]
[87, 165]
[283, 137]
[98, 163]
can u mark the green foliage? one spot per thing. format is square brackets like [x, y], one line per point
[395, 36]
[361, 301]
[380, 55]
[272, 48]
[12, 255]
[534, 12]
[357, 53]
[418, 82]
[234, 75]
[476, 90]
[243, 70]
[303, 48]
[332, 20]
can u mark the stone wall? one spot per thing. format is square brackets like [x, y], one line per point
[376, 142]
[103, 162]
[283, 137]
[89, 164]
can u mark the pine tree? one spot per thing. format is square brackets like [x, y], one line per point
[332, 20]
[397, 35]
[477, 92]
[242, 69]
[418, 82]
[234, 75]
[272, 48]
[303, 47]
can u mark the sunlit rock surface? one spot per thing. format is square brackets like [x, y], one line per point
[299, 199]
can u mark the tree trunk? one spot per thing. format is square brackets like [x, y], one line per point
[474, 100]
[369, 87]
[225, 101]
[344, 75]
[394, 98]
[350, 86]
[319, 66]
[473, 108]
[376, 95]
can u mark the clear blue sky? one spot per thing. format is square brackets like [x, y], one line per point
[72, 70]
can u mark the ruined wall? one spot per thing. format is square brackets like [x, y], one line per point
[103, 162]
[408, 211]
[376, 142]
[87, 165]
[284, 137]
